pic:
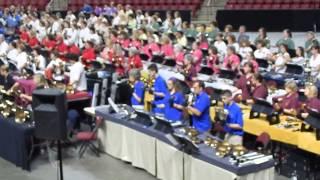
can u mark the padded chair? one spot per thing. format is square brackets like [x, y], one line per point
[87, 139]
[263, 142]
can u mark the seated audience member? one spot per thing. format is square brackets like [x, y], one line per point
[220, 45]
[231, 60]
[244, 82]
[138, 88]
[200, 108]
[179, 54]
[288, 103]
[299, 59]
[181, 38]
[251, 59]
[12, 51]
[175, 101]
[258, 90]
[6, 79]
[262, 36]
[281, 59]
[213, 59]
[311, 41]
[39, 61]
[244, 48]
[159, 89]
[203, 42]
[234, 120]
[197, 55]
[231, 41]
[262, 52]
[314, 61]
[242, 34]
[3, 46]
[88, 54]
[134, 60]
[40, 83]
[22, 58]
[287, 39]
[166, 47]
[77, 75]
[312, 102]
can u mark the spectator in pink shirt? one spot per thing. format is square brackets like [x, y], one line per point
[166, 48]
[151, 48]
[179, 54]
[197, 55]
[213, 59]
[232, 60]
[203, 42]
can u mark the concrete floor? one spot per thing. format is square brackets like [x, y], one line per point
[89, 167]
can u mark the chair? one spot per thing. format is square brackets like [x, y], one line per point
[263, 142]
[88, 138]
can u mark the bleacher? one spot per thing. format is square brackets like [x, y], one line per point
[192, 5]
[39, 4]
[272, 4]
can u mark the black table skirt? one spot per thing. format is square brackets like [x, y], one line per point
[15, 142]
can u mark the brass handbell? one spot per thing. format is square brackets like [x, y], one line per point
[69, 89]
[21, 115]
[7, 108]
[238, 150]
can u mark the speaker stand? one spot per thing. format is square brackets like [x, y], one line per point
[60, 160]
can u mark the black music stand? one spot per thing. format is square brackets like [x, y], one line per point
[163, 125]
[294, 69]
[157, 59]
[227, 74]
[187, 145]
[262, 63]
[206, 70]
[169, 62]
[143, 119]
[144, 57]
[263, 107]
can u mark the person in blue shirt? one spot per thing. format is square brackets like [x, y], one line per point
[175, 101]
[87, 9]
[138, 88]
[234, 121]
[200, 109]
[159, 90]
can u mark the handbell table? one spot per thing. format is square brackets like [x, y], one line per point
[154, 151]
[15, 142]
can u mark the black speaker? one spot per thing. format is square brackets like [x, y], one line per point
[50, 114]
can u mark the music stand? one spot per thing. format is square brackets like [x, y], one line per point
[206, 70]
[169, 62]
[163, 125]
[227, 74]
[144, 57]
[187, 145]
[262, 63]
[142, 118]
[313, 120]
[264, 107]
[294, 69]
[157, 59]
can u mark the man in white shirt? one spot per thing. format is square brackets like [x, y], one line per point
[3, 46]
[12, 51]
[77, 75]
[22, 59]
[83, 34]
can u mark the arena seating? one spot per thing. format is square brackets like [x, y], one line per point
[151, 5]
[272, 4]
[39, 4]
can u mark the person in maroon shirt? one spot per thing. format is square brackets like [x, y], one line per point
[289, 103]
[24, 36]
[189, 71]
[213, 59]
[312, 102]
[244, 82]
[258, 90]
[88, 54]
[49, 43]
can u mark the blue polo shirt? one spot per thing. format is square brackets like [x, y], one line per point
[172, 113]
[12, 22]
[234, 117]
[202, 123]
[159, 86]
[138, 88]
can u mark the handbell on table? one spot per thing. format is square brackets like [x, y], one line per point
[21, 115]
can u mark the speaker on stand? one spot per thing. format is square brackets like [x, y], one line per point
[50, 115]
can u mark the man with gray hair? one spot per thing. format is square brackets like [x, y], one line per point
[138, 88]
[311, 41]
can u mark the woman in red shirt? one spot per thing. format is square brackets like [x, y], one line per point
[32, 40]
[134, 61]
[88, 54]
